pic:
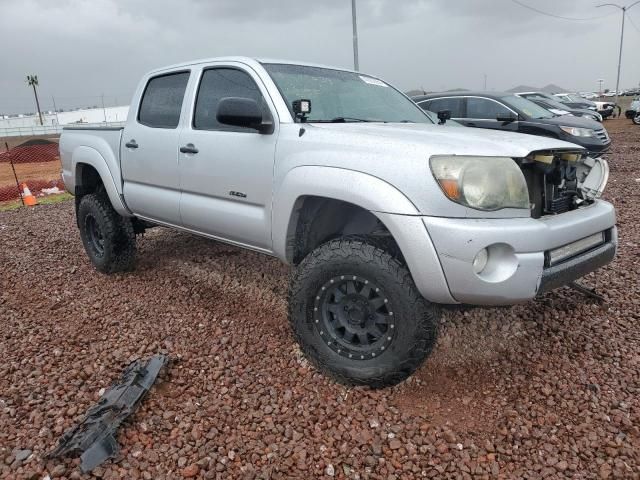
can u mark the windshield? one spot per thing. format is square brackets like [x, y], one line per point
[576, 98]
[339, 96]
[527, 107]
[552, 103]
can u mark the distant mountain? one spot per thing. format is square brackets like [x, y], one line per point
[551, 88]
[522, 88]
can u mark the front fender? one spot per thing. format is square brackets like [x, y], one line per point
[90, 156]
[361, 189]
[399, 215]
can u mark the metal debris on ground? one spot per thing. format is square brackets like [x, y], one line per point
[95, 435]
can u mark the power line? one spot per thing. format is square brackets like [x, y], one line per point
[573, 19]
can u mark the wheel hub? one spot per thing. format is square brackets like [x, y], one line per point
[354, 317]
[94, 235]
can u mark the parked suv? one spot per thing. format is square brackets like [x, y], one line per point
[382, 214]
[576, 101]
[508, 112]
[556, 106]
[633, 109]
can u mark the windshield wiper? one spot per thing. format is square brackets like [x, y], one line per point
[341, 120]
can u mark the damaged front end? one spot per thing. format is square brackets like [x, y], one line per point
[562, 180]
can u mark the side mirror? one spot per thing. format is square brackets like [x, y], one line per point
[443, 116]
[242, 112]
[506, 117]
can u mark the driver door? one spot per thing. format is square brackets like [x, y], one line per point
[226, 172]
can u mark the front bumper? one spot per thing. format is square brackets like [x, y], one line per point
[518, 247]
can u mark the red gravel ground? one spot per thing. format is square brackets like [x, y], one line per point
[549, 389]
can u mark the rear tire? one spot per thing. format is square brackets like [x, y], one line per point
[636, 119]
[108, 237]
[358, 315]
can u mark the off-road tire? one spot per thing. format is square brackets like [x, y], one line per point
[117, 235]
[416, 319]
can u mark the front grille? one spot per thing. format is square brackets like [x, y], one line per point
[602, 135]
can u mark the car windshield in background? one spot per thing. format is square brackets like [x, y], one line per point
[339, 96]
[575, 98]
[527, 107]
[550, 102]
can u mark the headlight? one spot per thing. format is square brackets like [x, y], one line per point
[483, 183]
[579, 132]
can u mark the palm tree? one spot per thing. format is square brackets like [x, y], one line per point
[32, 80]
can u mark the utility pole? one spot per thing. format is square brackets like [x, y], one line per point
[104, 110]
[32, 81]
[55, 109]
[624, 12]
[356, 65]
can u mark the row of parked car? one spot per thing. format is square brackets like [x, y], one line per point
[536, 113]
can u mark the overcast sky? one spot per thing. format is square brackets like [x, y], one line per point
[81, 49]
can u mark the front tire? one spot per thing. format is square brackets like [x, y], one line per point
[358, 315]
[636, 119]
[108, 238]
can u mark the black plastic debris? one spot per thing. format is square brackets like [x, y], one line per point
[95, 435]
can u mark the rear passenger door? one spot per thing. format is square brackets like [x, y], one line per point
[227, 183]
[149, 150]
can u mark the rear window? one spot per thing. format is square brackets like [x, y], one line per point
[162, 100]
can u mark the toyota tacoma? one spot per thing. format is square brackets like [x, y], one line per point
[384, 214]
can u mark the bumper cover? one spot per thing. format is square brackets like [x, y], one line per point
[520, 245]
[576, 267]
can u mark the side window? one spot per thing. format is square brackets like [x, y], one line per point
[483, 108]
[426, 105]
[219, 83]
[162, 100]
[452, 103]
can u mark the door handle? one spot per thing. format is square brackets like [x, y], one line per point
[189, 148]
[131, 144]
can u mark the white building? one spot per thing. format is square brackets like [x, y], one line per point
[52, 119]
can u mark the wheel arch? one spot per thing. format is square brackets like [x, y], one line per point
[90, 171]
[314, 190]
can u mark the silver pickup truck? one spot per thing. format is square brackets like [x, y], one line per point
[384, 213]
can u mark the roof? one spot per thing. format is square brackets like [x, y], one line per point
[247, 61]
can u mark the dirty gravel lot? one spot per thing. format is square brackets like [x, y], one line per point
[547, 389]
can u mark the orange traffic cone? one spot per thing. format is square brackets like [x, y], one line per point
[29, 199]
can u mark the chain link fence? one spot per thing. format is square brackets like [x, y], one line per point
[31, 167]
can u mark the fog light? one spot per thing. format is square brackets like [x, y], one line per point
[480, 261]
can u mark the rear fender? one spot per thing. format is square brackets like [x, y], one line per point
[89, 156]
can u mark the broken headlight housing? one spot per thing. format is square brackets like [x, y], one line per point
[482, 183]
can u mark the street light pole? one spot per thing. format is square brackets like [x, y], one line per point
[624, 12]
[356, 67]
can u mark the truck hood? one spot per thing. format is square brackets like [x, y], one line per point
[443, 139]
